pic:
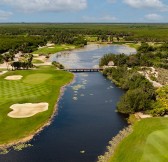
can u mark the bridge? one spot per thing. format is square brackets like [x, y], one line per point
[84, 70]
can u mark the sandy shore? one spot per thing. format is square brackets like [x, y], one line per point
[43, 125]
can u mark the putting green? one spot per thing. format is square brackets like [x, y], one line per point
[156, 148]
[41, 85]
[37, 78]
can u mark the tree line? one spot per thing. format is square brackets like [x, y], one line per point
[28, 44]
[146, 56]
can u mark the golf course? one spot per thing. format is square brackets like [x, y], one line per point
[147, 143]
[42, 85]
[54, 49]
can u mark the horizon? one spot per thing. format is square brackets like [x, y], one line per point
[114, 23]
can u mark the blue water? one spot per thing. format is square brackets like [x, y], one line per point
[86, 121]
[89, 56]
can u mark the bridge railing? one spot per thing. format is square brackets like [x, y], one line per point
[84, 69]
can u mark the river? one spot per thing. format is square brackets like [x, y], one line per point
[87, 117]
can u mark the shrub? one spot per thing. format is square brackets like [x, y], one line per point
[140, 92]
[57, 65]
[133, 101]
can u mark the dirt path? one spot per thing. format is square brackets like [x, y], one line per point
[153, 72]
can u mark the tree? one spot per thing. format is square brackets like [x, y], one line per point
[26, 64]
[132, 61]
[1, 59]
[7, 57]
[133, 101]
[57, 65]
[111, 38]
[118, 39]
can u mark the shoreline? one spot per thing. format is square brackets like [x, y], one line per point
[88, 47]
[44, 125]
[114, 143]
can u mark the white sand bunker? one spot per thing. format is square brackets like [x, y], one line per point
[27, 110]
[14, 77]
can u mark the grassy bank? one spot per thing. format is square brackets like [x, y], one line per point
[42, 85]
[147, 143]
[54, 49]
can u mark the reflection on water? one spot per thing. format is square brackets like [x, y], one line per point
[89, 56]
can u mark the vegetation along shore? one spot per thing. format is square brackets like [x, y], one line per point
[138, 75]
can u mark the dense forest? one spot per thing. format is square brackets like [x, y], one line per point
[27, 37]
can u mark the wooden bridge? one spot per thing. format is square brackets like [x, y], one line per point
[84, 70]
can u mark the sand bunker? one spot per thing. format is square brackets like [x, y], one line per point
[142, 115]
[14, 77]
[27, 110]
[3, 72]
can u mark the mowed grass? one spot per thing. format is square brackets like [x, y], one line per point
[36, 61]
[42, 85]
[37, 78]
[147, 143]
[133, 45]
[54, 49]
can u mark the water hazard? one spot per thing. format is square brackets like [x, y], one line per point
[89, 56]
[86, 121]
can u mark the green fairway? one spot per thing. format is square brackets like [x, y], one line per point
[36, 61]
[156, 148]
[54, 49]
[42, 85]
[147, 143]
[133, 45]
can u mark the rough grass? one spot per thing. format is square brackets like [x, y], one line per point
[23, 91]
[147, 143]
[54, 49]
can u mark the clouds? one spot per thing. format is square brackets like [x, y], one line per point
[84, 10]
[47, 5]
[5, 15]
[153, 17]
[155, 4]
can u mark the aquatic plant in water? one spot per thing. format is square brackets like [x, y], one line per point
[77, 87]
[20, 147]
[4, 151]
[75, 98]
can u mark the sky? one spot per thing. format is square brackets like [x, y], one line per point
[105, 11]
